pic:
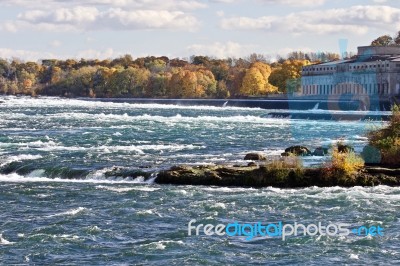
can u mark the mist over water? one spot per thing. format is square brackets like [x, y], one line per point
[61, 205]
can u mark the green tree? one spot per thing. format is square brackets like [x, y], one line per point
[384, 40]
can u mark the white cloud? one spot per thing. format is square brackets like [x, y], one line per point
[55, 43]
[96, 54]
[224, 1]
[355, 19]
[76, 15]
[221, 50]
[146, 19]
[296, 3]
[136, 4]
[29, 55]
[24, 54]
[287, 50]
[220, 13]
[9, 26]
[90, 18]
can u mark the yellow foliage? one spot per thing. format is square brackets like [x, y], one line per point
[255, 81]
[346, 164]
[289, 71]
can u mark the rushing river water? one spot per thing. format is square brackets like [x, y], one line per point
[61, 204]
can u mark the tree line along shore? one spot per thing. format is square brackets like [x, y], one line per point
[163, 77]
[157, 77]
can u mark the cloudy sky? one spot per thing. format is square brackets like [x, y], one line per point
[32, 30]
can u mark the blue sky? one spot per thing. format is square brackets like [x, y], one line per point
[33, 30]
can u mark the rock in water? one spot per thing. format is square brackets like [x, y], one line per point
[320, 151]
[298, 151]
[255, 156]
[343, 148]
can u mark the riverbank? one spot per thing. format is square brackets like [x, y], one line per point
[263, 176]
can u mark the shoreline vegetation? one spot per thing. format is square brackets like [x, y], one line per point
[197, 77]
[378, 164]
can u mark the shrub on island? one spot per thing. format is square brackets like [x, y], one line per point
[384, 143]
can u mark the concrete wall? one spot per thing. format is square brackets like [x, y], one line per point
[379, 50]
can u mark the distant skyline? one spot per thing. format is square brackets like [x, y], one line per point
[33, 30]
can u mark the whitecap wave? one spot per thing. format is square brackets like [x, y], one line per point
[162, 244]
[71, 212]
[12, 101]
[19, 158]
[127, 189]
[227, 189]
[15, 178]
[354, 257]
[4, 241]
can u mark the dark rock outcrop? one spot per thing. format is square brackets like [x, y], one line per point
[255, 156]
[320, 151]
[298, 151]
[126, 172]
[264, 176]
[343, 148]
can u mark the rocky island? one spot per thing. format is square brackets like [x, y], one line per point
[282, 177]
[378, 164]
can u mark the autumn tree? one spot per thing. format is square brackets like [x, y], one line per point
[175, 84]
[156, 65]
[235, 79]
[101, 81]
[222, 90]
[255, 81]
[286, 76]
[200, 60]
[206, 84]
[131, 81]
[157, 85]
[220, 69]
[254, 57]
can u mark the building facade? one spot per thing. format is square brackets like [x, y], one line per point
[374, 71]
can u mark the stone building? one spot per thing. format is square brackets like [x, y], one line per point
[374, 71]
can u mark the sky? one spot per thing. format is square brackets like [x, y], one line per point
[40, 29]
